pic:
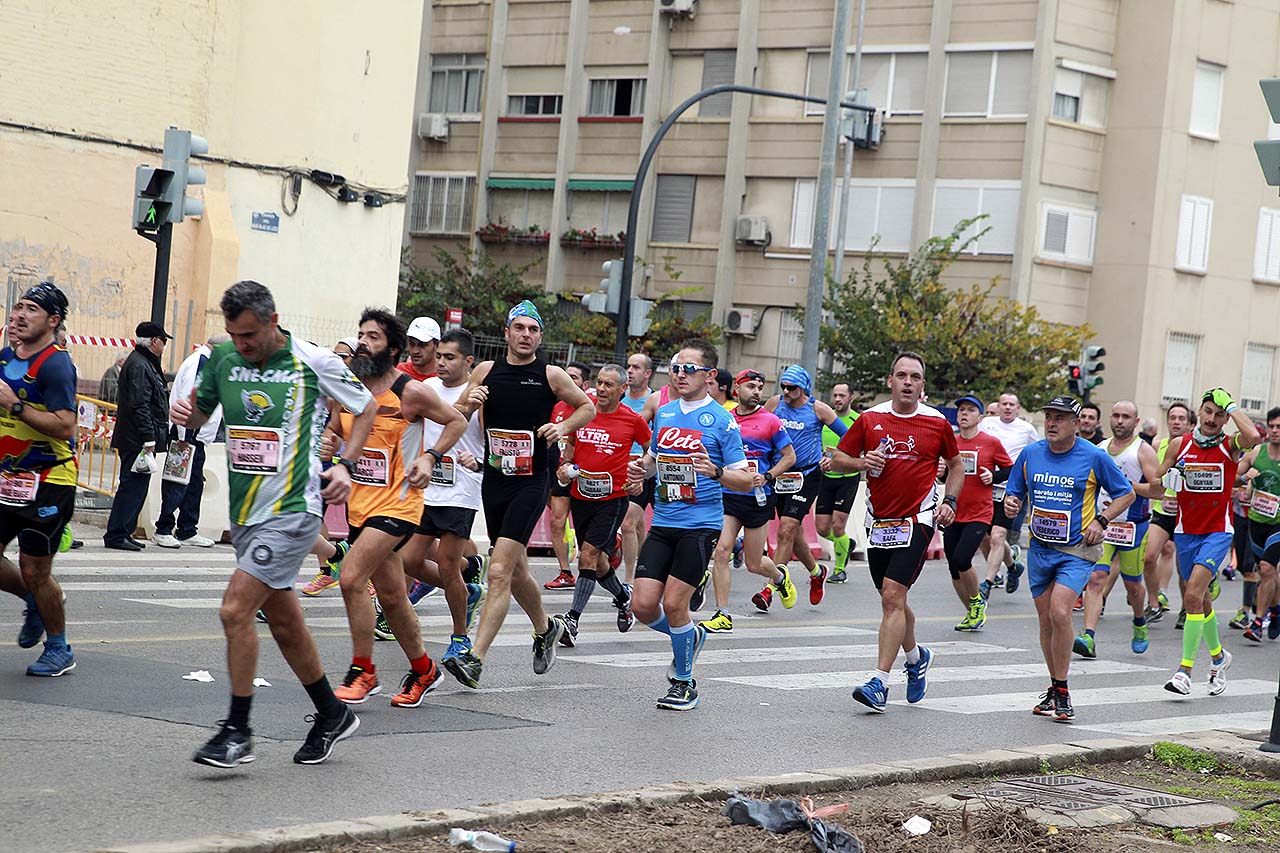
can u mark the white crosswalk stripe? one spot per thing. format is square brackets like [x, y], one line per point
[1128, 695]
[939, 675]
[1246, 722]
[712, 656]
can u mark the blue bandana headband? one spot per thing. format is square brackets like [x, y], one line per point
[525, 309]
[797, 375]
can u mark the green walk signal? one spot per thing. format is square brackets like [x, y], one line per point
[150, 206]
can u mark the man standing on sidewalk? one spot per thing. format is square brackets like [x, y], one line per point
[178, 498]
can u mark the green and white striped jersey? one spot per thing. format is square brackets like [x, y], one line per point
[274, 417]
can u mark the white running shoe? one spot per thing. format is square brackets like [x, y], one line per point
[166, 540]
[1218, 674]
[199, 541]
[1180, 683]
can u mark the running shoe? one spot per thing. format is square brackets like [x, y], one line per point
[564, 580]
[1044, 708]
[334, 563]
[1015, 552]
[817, 586]
[1153, 614]
[416, 685]
[623, 605]
[917, 684]
[1015, 577]
[475, 597]
[700, 591]
[787, 592]
[720, 623]
[1241, 620]
[699, 640]
[1163, 601]
[324, 736]
[738, 558]
[1179, 683]
[872, 694]
[357, 686]
[261, 616]
[319, 583]
[381, 629]
[681, 696]
[544, 645]
[465, 667]
[1218, 674]
[763, 599]
[570, 636]
[998, 580]
[1254, 632]
[458, 646]
[984, 589]
[1229, 573]
[1078, 607]
[1085, 646]
[1062, 710]
[473, 571]
[419, 591]
[1140, 643]
[54, 661]
[32, 627]
[1182, 620]
[1215, 588]
[226, 749]
[615, 556]
[838, 576]
[974, 619]
[1273, 625]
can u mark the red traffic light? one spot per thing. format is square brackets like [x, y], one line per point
[1075, 371]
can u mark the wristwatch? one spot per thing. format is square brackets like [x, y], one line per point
[719, 472]
[951, 501]
[1102, 519]
[436, 453]
[769, 478]
[346, 463]
[16, 408]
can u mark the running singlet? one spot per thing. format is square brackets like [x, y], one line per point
[806, 433]
[637, 406]
[451, 484]
[379, 485]
[274, 417]
[1170, 494]
[763, 437]
[1264, 506]
[1205, 479]
[407, 368]
[520, 402]
[904, 488]
[1063, 488]
[1127, 461]
[830, 440]
[683, 497]
[601, 452]
[981, 451]
[24, 449]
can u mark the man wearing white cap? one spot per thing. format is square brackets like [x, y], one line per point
[424, 336]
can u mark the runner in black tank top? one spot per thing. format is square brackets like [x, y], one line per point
[515, 394]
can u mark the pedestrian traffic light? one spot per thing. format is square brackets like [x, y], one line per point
[1269, 150]
[1075, 378]
[150, 197]
[179, 145]
[638, 322]
[1093, 367]
[611, 284]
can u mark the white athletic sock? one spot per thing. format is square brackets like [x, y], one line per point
[913, 655]
[883, 676]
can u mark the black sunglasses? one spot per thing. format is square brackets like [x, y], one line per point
[786, 387]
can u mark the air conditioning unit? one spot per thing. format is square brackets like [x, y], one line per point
[433, 126]
[752, 229]
[686, 8]
[741, 321]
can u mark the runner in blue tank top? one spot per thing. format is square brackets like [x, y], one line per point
[696, 451]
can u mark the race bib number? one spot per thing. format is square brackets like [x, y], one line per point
[442, 473]
[890, 533]
[1122, 534]
[997, 492]
[1202, 476]
[593, 486]
[753, 466]
[1265, 503]
[18, 489]
[254, 450]
[1169, 506]
[1050, 525]
[970, 460]
[676, 470]
[373, 468]
[511, 451]
[789, 483]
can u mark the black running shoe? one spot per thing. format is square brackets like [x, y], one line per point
[570, 636]
[1062, 710]
[227, 748]
[681, 696]
[466, 668]
[625, 617]
[1044, 708]
[471, 572]
[699, 593]
[324, 735]
[544, 645]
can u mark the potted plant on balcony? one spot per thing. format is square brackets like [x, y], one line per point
[593, 239]
[500, 232]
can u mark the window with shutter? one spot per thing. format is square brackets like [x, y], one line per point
[673, 208]
[1055, 231]
[790, 337]
[951, 204]
[877, 207]
[1012, 83]
[1068, 234]
[1206, 99]
[968, 89]
[909, 74]
[456, 83]
[1068, 89]
[802, 210]
[616, 97]
[816, 82]
[997, 200]
[1255, 383]
[1195, 220]
[1266, 253]
[717, 70]
[874, 77]
[441, 204]
[1182, 351]
[1000, 204]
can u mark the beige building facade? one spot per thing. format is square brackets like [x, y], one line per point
[277, 89]
[1108, 143]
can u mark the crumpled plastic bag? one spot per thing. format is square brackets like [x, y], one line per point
[201, 675]
[782, 816]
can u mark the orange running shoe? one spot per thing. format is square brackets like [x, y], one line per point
[358, 686]
[564, 580]
[615, 557]
[319, 584]
[416, 685]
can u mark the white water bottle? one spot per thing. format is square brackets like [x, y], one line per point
[761, 497]
[876, 472]
[573, 474]
[479, 840]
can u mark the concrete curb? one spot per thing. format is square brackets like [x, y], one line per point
[1028, 759]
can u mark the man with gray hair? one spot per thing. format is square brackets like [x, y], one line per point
[186, 460]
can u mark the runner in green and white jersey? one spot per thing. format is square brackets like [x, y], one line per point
[836, 494]
[1260, 468]
[274, 392]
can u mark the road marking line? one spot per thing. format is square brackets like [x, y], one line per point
[1118, 695]
[943, 674]
[1248, 722]
[779, 653]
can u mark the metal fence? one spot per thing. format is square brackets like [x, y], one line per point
[98, 466]
[492, 346]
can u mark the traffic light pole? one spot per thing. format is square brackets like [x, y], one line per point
[160, 284]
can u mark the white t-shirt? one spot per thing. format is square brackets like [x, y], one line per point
[1014, 435]
[465, 490]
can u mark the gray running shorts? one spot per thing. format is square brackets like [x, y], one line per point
[273, 551]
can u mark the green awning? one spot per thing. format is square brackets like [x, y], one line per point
[523, 184]
[623, 186]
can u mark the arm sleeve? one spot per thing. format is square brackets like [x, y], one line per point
[837, 426]
[57, 383]
[949, 447]
[851, 442]
[1016, 485]
[145, 425]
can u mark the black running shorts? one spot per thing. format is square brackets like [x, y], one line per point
[644, 500]
[513, 505]
[836, 494]
[1265, 544]
[960, 541]
[798, 504]
[598, 522]
[901, 564]
[747, 510]
[557, 490]
[1167, 523]
[38, 525]
[439, 520]
[674, 552]
[397, 527]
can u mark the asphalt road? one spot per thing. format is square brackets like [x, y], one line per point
[102, 755]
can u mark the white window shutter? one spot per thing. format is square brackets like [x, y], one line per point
[1186, 220]
[1080, 236]
[1013, 83]
[1266, 253]
[1093, 104]
[1206, 99]
[909, 73]
[864, 202]
[968, 83]
[894, 224]
[1056, 224]
[1201, 227]
[1181, 354]
[1001, 206]
[1255, 383]
[802, 211]
[952, 204]
[874, 77]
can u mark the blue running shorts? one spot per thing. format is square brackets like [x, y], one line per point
[1211, 550]
[1045, 567]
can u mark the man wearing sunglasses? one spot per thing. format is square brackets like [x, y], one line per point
[696, 452]
[797, 489]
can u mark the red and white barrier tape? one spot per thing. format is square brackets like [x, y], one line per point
[95, 341]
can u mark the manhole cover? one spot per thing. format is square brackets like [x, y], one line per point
[1077, 793]
[1019, 796]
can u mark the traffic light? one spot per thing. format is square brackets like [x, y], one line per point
[638, 322]
[1075, 378]
[179, 145]
[611, 284]
[150, 197]
[1093, 367]
[1269, 150]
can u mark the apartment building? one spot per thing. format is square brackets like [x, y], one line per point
[1108, 144]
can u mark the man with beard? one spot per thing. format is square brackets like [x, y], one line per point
[385, 506]
[1157, 565]
[837, 493]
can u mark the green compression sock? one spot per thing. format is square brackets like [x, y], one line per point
[1192, 633]
[841, 544]
[1211, 638]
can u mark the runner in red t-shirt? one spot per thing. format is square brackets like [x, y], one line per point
[598, 495]
[905, 440]
[424, 337]
[982, 454]
[558, 501]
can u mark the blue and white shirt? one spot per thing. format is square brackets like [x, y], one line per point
[683, 497]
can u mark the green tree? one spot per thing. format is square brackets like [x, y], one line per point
[473, 281]
[971, 340]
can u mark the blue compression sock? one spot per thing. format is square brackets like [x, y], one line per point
[683, 640]
[660, 624]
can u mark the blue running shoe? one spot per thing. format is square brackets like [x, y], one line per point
[1273, 627]
[1014, 577]
[917, 686]
[55, 661]
[737, 553]
[458, 646]
[475, 597]
[873, 694]
[418, 592]
[32, 627]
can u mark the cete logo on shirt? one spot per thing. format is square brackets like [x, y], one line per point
[676, 438]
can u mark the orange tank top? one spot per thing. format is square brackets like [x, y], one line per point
[379, 486]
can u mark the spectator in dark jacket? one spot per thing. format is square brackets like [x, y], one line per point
[141, 426]
[111, 379]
